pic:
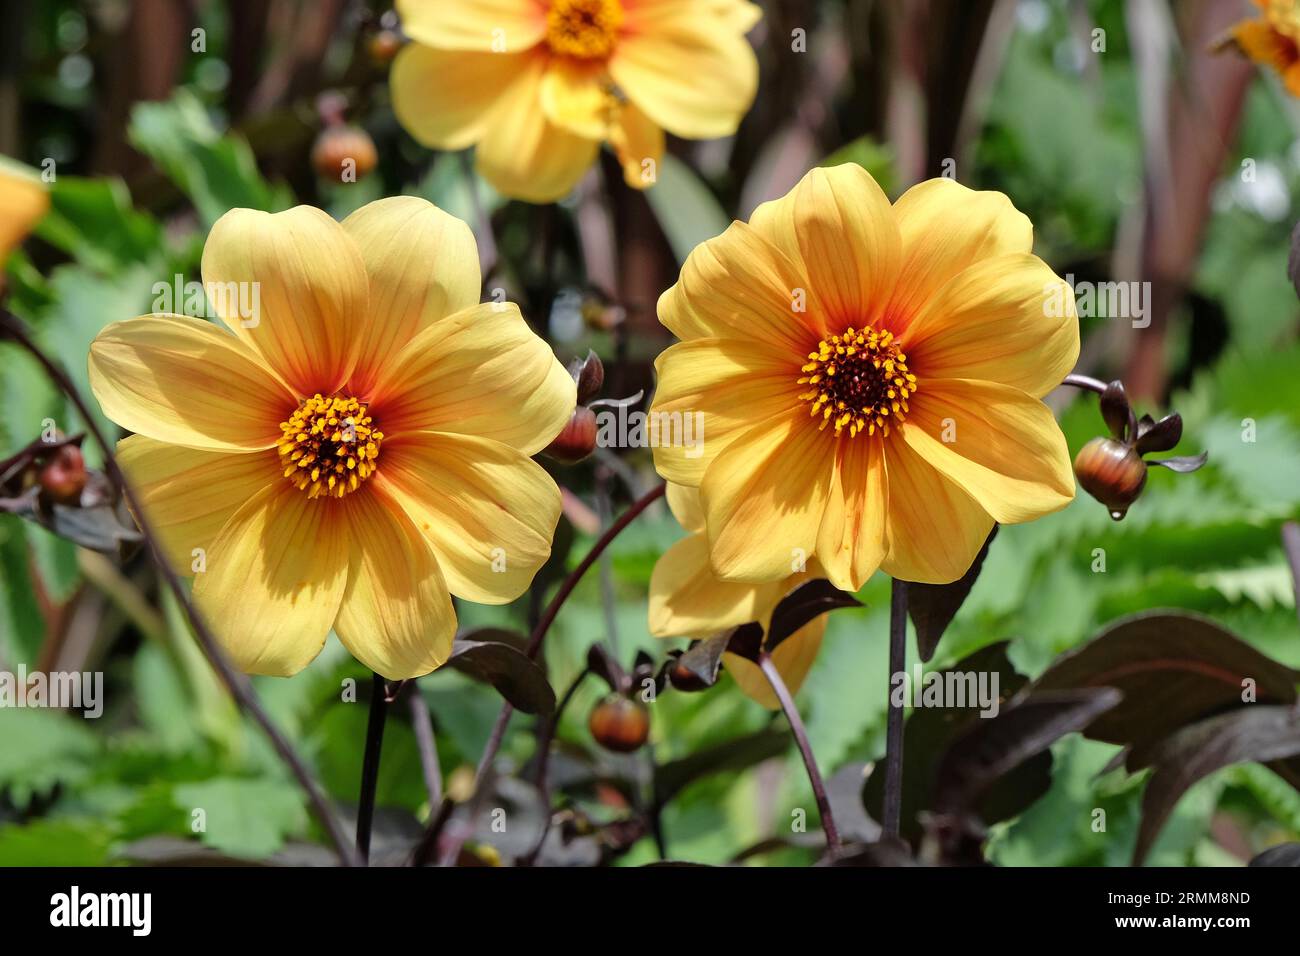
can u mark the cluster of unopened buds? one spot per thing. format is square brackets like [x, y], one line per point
[1112, 469]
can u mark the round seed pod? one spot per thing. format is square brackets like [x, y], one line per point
[578, 439]
[619, 724]
[344, 154]
[1112, 472]
[63, 476]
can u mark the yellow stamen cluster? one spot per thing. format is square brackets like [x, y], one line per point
[330, 446]
[858, 380]
[584, 29]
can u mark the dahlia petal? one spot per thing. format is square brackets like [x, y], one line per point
[422, 265]
[793, 658]
[575, 98]
[24, 199]
[189, 495]
[523, 154]
[185, 381]
[481, 372]
[1006, 449]
[639, 145]
[852, 540]
[311, 285]
[447, 99]
[489, 25]
[740, 286]
[488, 511]
[686, 598]
[690, 70]
[935, 529]
[945, 228]
[709, 390]
[684, 502]
[764, 497]
[840, 222]
[396, 615]
[275, 578]
[1008, 319]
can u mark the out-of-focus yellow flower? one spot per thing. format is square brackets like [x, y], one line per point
[1274, 39]
[353, 452]
[538, 85]
[869, 379]
[23, 201]
[688, 599]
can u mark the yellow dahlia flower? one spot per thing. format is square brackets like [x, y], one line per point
[688, 599]
[1274, 40]
[538, 85]
[23, 201]
[869, 379]
[352, 454]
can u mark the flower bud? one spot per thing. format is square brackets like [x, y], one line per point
[578, 439]
[383, 46]
[344, 153]
[684, 679]
[619, 724]
[63, 475]
[1112, 472]
[589, 375]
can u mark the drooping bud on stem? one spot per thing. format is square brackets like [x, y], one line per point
[620, 724]
[1112, 472]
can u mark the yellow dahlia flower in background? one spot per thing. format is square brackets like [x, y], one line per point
[538, 85]
[354, 453]
[1274, 40]
[23, 201]
[688, 600]
[870, 380]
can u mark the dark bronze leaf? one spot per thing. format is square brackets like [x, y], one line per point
[933, 606]
[1160, 436]
[1258, 733]
[1181, 463]
[516, 678]
[801, 605]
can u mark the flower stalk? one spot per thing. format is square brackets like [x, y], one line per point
[893, 798]
[11, 327]
[379, 700]
[424, 851]
[805, 748]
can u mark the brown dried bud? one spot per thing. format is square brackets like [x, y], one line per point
[619, 724]
[63, 476]
[684, 679]
[344, 154]
[578, 439]
[1112, 472]
[589, 375]
[383, 46]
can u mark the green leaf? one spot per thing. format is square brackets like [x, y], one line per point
[243, 817]
[217, 172]
[686, 209]
[94, 221]
[63, 841]
[42, 748]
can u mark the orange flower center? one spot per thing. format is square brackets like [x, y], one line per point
[330, 446]
[858, 380]
[585, 29]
